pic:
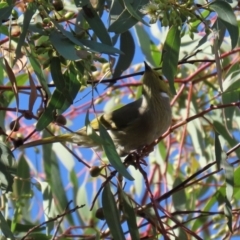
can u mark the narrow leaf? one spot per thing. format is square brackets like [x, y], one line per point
[145, 43]
[38, 71]
[45, 119]
[111, 213]
[217, 59]
[96, 24]
[7, 167]
[111, 153]
[5, 12]
[179, 197]
[22, 185]
[56, 102]
[62, 84]
[130, 216]
[33, 92]
[124, 22]
[5, 228]
[90, 132]
[88, 44]
[228, 18]
[116, 9]
[13, 81]
[228, 213]
[31, 9]
[133, 13]
[229, 175]
[127, 46]
[218, 151]
[57, 76]
[170, 55]
[100, 47]
[59, 40]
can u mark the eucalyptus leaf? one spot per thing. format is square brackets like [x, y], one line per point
[31, 9]
[5, 228]
[130, 216]
[5, 12]
[127, 46]
[8, 168]
[96, 24]
[111, 213]
[228, 18]
[171, 49]
[112, 154]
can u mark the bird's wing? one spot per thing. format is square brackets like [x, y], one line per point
[124, 116]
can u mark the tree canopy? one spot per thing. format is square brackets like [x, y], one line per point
[64, 63]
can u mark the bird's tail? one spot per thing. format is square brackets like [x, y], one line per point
[79, 138]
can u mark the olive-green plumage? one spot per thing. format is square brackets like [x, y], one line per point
[132, 126]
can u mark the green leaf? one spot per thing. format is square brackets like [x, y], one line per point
[228, 18]
[217, 197]
[127, 46]
[58, 40]
[5, 228]
[111, 153]
[45, 119]
[90, 132]
[5, 12]
[228, 213]
[99, 47]
[231, 88]
[90, 45]
[123, 19]
[204, 14]
[53, 174]
[74, 181]
[155, 53]
[4, 30]
[195, 130]
[57, 76]
[72, 87]
[23, 184]
[48, 202]
[218, 151]
[21, 227]
[38, 71]
[111, 213]
[130, 216]
[7, 167]
[31, 9]
[179, 197]
[133, 13]
[60, 82]
[116, 9]
[12, 79]
[229, 175]
[96, 24]
[221, 31]
[56, 101]
[221, 129]
[145, 44]
[170, 55]
[236, 180]
[124, 22]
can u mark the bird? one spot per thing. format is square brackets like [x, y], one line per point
[131, 127]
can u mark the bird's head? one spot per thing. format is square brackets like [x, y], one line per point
[153, 84]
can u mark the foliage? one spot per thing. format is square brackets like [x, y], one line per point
[61, 61]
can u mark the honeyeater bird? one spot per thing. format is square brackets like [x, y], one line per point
[132, 126]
